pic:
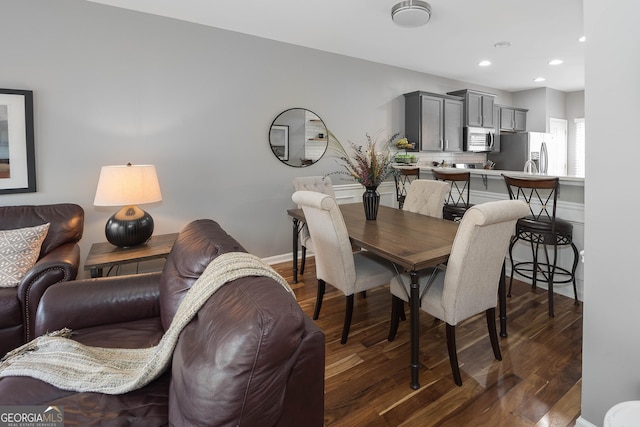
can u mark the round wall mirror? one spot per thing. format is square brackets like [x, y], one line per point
[298, 137]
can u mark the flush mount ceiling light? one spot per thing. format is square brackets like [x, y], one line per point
[555, 62]
[484, 63]
[412, 13]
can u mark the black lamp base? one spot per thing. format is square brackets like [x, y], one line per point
[130, 226]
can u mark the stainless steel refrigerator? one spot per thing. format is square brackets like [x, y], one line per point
[517, 148]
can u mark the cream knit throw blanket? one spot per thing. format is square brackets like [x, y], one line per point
[70, 365]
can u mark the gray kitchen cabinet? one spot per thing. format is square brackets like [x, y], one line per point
[513, 119]
[479, 111]
[434, 121]
[453, 123]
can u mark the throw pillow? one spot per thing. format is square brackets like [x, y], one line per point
[19, 251]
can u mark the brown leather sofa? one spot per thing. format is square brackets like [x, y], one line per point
[250, 357]
[59, 261]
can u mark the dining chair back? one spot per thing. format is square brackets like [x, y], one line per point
[426, 197]
[403, 178]
[468, 284]
[457, 200]
[321, 184]
[336, 263]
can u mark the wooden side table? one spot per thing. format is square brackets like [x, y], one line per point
[105, 254]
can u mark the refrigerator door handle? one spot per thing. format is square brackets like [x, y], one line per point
[544, 158]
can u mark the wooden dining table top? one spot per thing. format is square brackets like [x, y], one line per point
[408, 239]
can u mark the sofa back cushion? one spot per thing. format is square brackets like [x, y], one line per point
[66, 222]
[199, 243]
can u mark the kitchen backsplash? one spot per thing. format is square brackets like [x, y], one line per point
[427, 158]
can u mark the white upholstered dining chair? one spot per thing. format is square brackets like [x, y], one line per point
[468, 284]
[426, 197]
[320, 184]
[336, 263]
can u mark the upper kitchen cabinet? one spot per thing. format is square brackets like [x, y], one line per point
[513, 119]
[478, 108]
[434, 121]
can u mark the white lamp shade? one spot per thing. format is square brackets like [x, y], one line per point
[127, 185]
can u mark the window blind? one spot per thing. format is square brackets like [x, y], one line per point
[579, 149]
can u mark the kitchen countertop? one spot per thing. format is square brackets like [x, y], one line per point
[492, 173]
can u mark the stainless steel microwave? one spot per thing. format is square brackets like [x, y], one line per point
[478, 140]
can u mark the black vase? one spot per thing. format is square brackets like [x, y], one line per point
[371, 201]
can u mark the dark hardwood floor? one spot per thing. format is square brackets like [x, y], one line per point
[537, 383]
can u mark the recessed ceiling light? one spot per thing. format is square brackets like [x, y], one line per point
[539, 79]
[484, 63]
[555, 62]
[502, 44]
[582, 39]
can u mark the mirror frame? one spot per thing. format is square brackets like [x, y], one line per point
[286, 130]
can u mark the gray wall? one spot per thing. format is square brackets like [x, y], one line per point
[545, 103]
[113, 86]
[611, 348]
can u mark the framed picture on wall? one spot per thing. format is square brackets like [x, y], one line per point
[17, 153]
[279, 138]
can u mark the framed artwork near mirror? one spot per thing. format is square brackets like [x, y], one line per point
[298, 137]
[279, 138]
[17, 152]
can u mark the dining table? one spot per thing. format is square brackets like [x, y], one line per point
[413, 242]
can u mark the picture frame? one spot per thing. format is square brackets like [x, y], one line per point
[17, 151]
[279, 139]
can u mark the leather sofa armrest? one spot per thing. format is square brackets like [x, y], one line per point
[59, 265]
[86, 303]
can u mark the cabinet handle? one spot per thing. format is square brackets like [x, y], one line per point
[446, 144]
[441, 145]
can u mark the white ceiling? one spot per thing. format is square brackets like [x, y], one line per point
[459, 35]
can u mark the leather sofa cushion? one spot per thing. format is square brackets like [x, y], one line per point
[147, 406]
[10, 311]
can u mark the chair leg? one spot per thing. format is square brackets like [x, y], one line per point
[397, 310]
[514, 239]
[303, 260]
[453, 355]
[493, 335]
[576, 255]
[348, 314]
[534, 271]
[320, 294]
[551, 269]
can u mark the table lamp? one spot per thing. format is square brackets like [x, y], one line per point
[128, 186]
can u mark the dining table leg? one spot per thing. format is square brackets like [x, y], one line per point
[296, 232]
[414, 304]
[502, 301]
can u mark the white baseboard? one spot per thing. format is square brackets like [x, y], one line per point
[581, 422]
[279, 259]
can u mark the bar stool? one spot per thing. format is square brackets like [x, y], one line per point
[541, 228]
[403, 178]
[457, 201]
